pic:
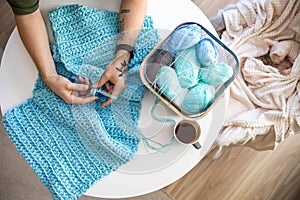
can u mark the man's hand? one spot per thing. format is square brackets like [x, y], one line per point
[114, 77]
[33, 33]
[69, 91]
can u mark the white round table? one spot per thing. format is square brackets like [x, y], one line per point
[148, 171]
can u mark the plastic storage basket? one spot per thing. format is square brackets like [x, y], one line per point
[189, 70]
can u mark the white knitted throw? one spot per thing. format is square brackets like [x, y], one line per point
[263, 101]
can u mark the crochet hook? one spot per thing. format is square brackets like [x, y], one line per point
[96, 91]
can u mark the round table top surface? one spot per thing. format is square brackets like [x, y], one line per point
[149, 170]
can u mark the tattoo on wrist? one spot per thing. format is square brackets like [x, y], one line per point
[124, 11]
[123, 69]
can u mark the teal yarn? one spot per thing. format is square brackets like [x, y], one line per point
[217, 73]
[207, 52]
[82, 41]
[187, 67]
[166, 80]
[91, 71]
[198, 98]
[71, 147]
[199, 68]
[184, 37]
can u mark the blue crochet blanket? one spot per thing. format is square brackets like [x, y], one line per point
[71, 147]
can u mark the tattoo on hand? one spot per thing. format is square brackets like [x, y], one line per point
[121, 24]
[123, 69]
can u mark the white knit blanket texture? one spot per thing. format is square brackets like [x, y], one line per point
[263, 101]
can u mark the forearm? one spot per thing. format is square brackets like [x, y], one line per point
[132, 15]
[34, 36]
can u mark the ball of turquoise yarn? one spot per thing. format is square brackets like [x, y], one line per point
[217, 73]
[198, 98]
[207, 52]
[166, 80]
[187, 67]
[184, 37]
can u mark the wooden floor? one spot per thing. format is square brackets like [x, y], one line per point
[240, 173]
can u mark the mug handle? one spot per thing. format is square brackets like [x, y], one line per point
[197, 145]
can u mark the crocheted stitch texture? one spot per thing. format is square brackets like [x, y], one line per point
[70, 147]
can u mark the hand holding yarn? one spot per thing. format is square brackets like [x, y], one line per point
[69, 91]
[114, 77]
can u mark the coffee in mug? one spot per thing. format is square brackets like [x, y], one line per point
[188, 132]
